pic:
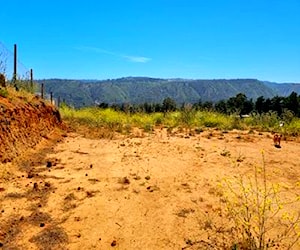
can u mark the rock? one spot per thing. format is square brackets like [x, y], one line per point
[114, 243]
[49, 164]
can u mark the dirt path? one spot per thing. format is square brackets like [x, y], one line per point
[148, 192]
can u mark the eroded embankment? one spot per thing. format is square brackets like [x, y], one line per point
[23, 124]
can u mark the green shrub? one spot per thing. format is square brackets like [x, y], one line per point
[3, 92]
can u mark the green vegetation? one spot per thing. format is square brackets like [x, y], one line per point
[187, 118]
[3, 92]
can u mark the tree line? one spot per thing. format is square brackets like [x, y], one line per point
[239, 105]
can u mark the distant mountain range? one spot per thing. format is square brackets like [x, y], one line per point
[136, 90]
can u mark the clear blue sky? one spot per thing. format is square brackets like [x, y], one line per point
[203, 39]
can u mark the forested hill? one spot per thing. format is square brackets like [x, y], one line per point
[138, 90]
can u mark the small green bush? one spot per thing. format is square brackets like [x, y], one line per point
[3, 92]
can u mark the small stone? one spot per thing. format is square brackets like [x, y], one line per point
[49, 164]
[30, 175]
[47, 184]
[42, 224]
[114, 243]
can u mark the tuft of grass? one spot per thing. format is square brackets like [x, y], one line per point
[3, 92]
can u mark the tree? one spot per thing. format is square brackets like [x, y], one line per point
[168, 105]
[237, 104]
[221, 107]
[207, 106]
[292, 103]
[277, 104]
[259, 104]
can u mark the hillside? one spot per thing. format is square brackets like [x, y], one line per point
[25, 121]
[153, 90]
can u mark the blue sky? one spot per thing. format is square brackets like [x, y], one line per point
[195, 39]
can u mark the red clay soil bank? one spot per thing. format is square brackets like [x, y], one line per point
[23, 124]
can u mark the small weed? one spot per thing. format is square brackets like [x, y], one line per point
[225, 153]
[3, 92]
[240, 157]
[258, 215]
[148, 127]
[184, 212]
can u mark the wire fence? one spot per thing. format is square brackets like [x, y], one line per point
[15, 70]
[7, 62]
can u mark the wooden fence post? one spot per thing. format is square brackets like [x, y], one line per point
[31, 79]
[42, 91]
[15, 64]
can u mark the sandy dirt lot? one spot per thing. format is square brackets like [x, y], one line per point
[150, 191]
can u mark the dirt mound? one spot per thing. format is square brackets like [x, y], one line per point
[23, 124]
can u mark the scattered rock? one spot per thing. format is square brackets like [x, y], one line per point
[124, 180]
[147, 177]
[114, 243]
[152, 188]
[47, 184]
[49, 164]
[30, 175]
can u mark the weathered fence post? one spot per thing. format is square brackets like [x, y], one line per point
[31, 79]
[15, 64]
[42, 91]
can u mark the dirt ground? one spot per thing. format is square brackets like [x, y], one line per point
[148, 191]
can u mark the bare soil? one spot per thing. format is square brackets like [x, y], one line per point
[143, 191]
[23, 123]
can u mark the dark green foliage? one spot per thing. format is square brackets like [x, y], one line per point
[292, 103]
[168, 105]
